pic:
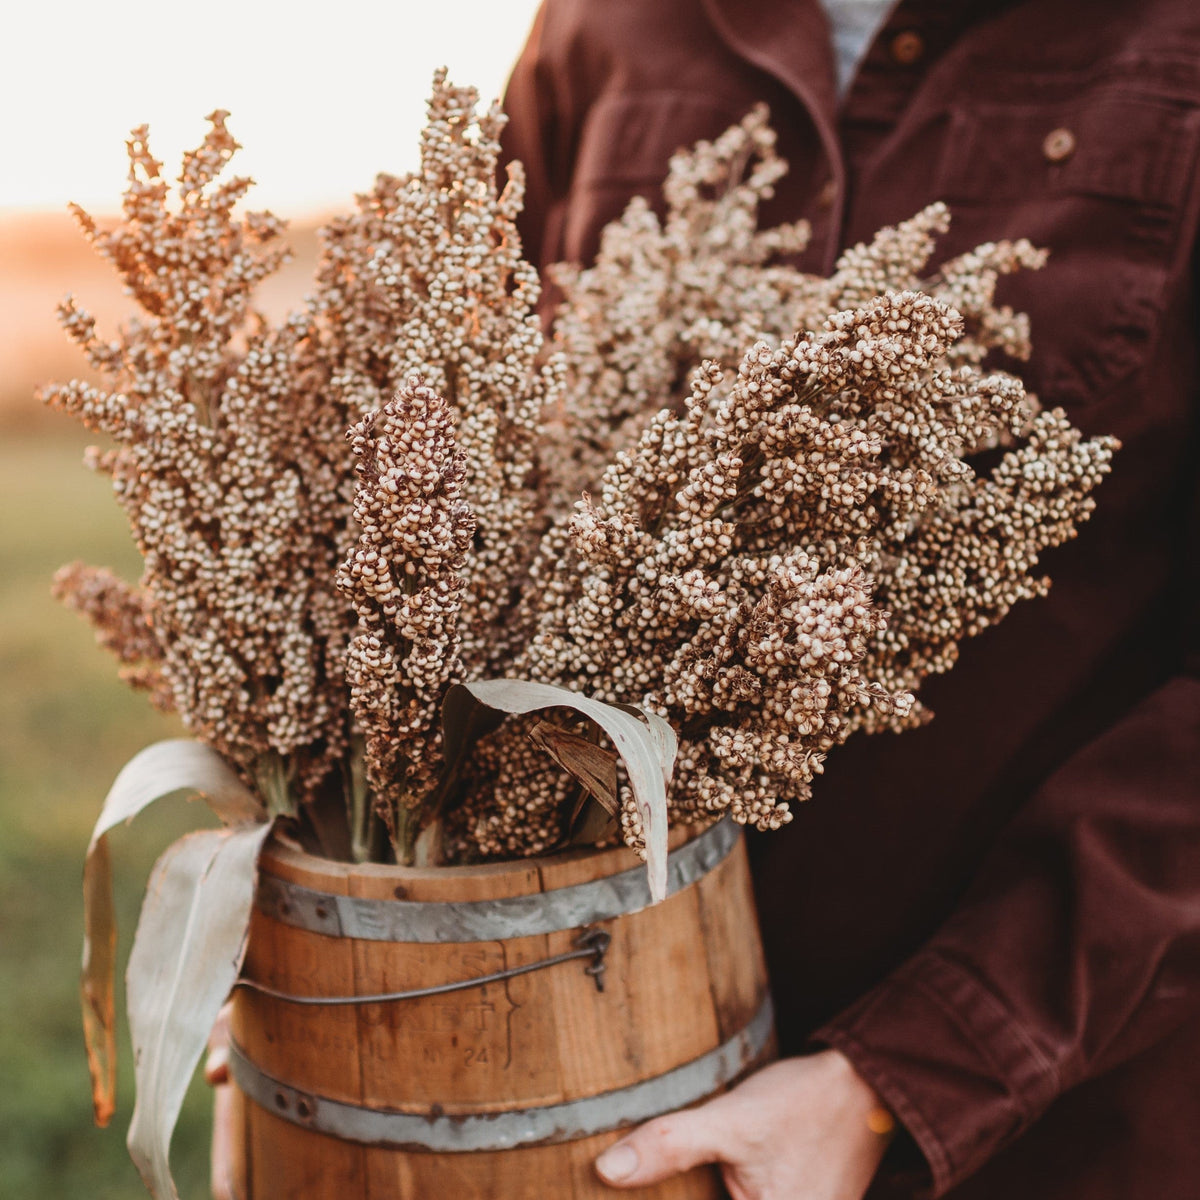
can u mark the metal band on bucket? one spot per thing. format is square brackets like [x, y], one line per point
[545, 1125]
[490, 920]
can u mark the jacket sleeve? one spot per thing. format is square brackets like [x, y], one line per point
[1034, 985]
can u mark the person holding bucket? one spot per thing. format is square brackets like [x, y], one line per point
[988, 929]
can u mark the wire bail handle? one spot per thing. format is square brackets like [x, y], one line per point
[592, 942]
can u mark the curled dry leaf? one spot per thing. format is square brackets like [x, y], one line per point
[186, 956]
[645, 742]
[161, 770]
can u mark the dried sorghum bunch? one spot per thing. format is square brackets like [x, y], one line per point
[427, 277]
[121, 616]
[404, 581]
[227, 462]
[734, 572]
[231, 461]
[771, 556]
[705, 282]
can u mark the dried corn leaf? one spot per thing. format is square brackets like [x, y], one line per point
[177, 765]
[188, 950]
[593, 767]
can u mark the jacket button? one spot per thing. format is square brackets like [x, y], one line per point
[907, 48]
[1059, 145]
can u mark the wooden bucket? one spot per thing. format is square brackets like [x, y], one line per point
[507, 1088]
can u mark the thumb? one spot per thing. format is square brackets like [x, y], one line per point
[661, 1148]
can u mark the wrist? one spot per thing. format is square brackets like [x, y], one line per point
[860, 1098]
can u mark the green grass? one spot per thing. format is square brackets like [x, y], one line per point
[66, 727]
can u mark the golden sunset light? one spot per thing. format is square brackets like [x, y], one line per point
[321, 100]
[321, 96]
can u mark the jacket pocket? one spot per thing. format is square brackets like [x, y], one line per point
[624, 147]
[1100, 174]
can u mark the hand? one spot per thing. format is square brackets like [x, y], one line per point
[800, 1129]
[216, 1073]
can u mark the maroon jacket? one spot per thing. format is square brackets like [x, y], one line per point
[997, 918]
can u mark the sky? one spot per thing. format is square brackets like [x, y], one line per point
[321, 97]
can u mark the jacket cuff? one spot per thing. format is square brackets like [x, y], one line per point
[949, 1060]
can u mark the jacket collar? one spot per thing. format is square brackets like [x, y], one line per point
[789, 40]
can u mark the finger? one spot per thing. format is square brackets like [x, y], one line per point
[661, 1148]
[216, 1066]
[224, 1118]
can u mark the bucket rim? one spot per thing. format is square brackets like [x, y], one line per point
[283, 849]
[543, 908]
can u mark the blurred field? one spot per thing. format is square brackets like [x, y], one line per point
[43, 257]
[66, 727]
